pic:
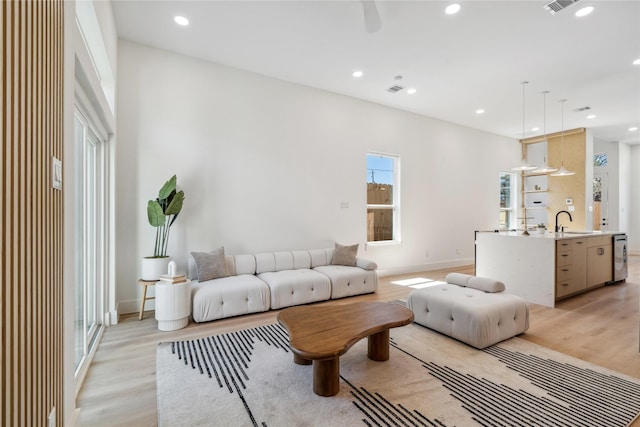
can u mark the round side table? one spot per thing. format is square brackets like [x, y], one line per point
[173, 305]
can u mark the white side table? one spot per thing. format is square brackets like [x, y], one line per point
[173, 305]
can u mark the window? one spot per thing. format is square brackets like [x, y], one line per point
[383, 198]
[600, 159]
[91, 231]
[507, 201]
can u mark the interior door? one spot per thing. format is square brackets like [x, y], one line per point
[600, 201]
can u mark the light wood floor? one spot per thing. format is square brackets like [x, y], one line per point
[601, 327]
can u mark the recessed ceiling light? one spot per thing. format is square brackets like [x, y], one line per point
[633, 129]
[535, 129]
[591, 116]
[357, 74]
[411, 91]
[480, 111]
[636, 62]
[181, 20]
[584, 11]
[452, 9]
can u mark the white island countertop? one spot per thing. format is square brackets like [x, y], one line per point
[526, 264]
[552, 235]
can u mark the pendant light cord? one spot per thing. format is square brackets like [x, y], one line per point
[524, 157]
[562, 101]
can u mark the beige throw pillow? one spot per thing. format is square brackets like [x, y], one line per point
[210, 265]
[345, 255]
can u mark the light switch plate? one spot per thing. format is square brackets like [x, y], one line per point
[572, 208]
[56, 173]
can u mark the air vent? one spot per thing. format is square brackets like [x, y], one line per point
[395, 88]
[577, 110]
[556, 6]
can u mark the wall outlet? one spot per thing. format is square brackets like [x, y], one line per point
[458, 251]
[572, 208]
[569, 201]
[426, 254]
[344, 205]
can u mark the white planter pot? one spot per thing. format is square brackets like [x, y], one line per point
[152, 268]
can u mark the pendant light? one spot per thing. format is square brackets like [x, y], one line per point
[545, 168]
[523, 166]
[562, 171]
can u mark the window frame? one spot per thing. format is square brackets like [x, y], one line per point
[394, 206]
[513, 195]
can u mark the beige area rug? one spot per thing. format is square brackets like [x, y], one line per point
[248, 378]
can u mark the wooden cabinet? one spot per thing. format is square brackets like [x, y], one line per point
[582, 263]
[599, 261]
[571, 259]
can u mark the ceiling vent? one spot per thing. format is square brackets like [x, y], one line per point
[557, 5]
[577, 110]
[395, 88]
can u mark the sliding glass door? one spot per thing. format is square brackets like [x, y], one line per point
[90, 233]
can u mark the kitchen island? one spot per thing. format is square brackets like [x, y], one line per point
[545, 267]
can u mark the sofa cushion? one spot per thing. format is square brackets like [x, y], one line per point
[210, 265]
[320, 257]
[295, 287]
[241, 264]
[279, 261]
[458, 279]
[366, 264]
[345, 255]
[485, 284]
[347, 281]
[480, 283]
[228, 296]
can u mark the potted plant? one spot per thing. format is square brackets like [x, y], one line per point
[162, 213]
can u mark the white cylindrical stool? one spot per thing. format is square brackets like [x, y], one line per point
[173, 305]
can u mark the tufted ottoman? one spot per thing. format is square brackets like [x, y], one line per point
[471, 309]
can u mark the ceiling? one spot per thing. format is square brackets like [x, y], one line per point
[457, 63]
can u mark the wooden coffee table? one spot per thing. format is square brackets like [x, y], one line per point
[321, 334]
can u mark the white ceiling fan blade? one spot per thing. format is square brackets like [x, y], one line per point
[371, 16]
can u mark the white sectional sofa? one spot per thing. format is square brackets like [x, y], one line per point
[274, 280]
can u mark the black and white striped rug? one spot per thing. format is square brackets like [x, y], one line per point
[248, 378]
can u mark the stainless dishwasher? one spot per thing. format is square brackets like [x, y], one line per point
[619, 257]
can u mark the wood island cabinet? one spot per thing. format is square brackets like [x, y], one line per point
[599, 260]
[571, 266]
[582, 263]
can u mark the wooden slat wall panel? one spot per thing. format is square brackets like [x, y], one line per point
[31, 213]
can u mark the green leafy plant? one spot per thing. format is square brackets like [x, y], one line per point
[163, 212]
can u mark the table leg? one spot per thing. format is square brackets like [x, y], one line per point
[144, 298]
[326, 377]
[379, 346]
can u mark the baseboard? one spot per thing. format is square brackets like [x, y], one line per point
[133, 306]
[410, 269]
[634, 251]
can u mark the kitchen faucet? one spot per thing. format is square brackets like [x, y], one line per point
[570, 219]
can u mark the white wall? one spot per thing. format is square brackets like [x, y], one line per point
[266, 165]
[634, 225]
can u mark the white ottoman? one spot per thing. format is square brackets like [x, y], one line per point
[477, 317]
